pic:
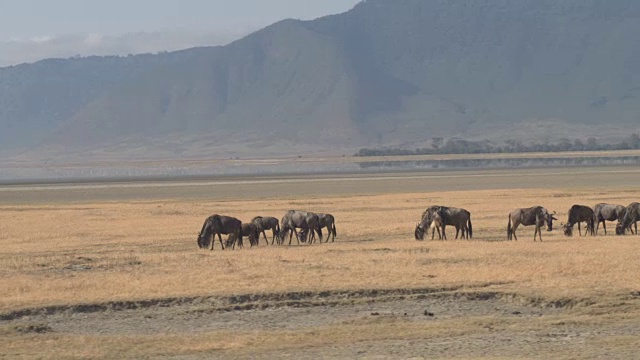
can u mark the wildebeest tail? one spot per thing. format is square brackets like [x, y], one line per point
[470, 228]
[335, 233]
[509, 228]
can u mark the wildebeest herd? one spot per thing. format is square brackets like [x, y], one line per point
[309, 224]
[435, 218]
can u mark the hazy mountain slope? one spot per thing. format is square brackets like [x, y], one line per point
[386, 72]
[284, 81]
[485, 62]
[37, 98]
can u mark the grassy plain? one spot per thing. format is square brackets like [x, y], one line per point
[139, 253]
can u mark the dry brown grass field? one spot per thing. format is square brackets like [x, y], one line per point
[114, 271]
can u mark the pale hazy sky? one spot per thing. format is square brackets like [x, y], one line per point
[35, 29]
[39, 18]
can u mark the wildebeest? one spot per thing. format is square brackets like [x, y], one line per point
[251, 231]
[631, 217]
[294, 219]
[329, 222]
[216, 225]
[536, 215]
[460, 218]
[578, 214]
[303, 233]
[267, 223]
[607, 212]
[434, 223]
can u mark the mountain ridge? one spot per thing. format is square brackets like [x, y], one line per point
[384, 73]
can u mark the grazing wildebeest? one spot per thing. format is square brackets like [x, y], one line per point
[536, 215]
[303, 233]
[578, 214]
[267, 223]
[294, 219]
[251, 230]
[434, 223]
[425, 222]
[460, 218]
[607, 212]
[329, 222]
[631, 217]
[231, 240]
[216, 225]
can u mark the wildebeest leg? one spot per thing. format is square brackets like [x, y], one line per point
[297, 235]
[539, 228]
[433, 231]
[291, 236]
[213, 240]
[276, 237]
[219, 238]
[264, 234]
[579, 230]
[444, 234]
[604, 226]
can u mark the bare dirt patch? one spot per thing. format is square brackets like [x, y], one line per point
[380, 323]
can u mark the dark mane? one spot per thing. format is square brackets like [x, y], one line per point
[256, 218]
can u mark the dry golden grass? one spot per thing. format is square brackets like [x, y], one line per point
[89, 252]
[97, 252]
